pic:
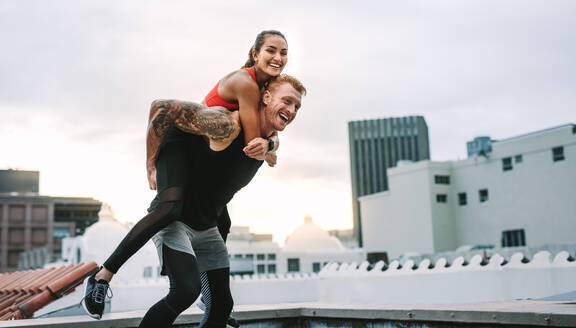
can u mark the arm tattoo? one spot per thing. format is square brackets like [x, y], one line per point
[192, 118]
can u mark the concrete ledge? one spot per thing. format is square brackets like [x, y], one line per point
[498, 314]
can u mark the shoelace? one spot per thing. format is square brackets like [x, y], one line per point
[100, 292]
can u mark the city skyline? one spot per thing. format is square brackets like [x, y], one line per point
[78, 80]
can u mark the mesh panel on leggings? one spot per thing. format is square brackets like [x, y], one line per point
[168, 210]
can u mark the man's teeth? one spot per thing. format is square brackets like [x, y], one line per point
[284, 117]
[275, 66]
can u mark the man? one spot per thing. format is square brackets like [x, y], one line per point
[192, 248]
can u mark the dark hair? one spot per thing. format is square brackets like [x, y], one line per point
[258, 44]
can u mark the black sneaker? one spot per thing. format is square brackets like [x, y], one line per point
[94, 296]
[231, 323]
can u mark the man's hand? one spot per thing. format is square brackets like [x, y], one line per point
[152, 177]
[271, 158]
[257, 148]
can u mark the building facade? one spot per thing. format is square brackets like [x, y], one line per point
[519, 194]
[307, 250]
[376, 145]
[32, 226]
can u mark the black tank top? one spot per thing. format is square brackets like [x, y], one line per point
[217, 178]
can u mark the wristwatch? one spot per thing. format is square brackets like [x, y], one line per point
[270, 144]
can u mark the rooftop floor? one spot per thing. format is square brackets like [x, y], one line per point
[525, 313]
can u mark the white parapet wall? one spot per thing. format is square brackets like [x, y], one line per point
[457, 282]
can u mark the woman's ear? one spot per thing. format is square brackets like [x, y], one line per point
[254, 55]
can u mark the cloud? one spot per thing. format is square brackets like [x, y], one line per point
[83, 75]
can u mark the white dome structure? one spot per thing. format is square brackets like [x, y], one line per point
[310, 238]
[101, 239]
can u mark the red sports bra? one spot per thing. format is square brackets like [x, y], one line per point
[213, 97]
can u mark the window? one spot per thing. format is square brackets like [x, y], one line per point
[507, 164]
[483, 195]
[260, 257]
[147, 272]
[512, 238]
[271, 268]
[271, 256]
[442, 179]
[518, 159]
[61, 232]
[293, 265]
[558, 154]
[462, 199]
[316, 267]
[250, 256]
[261, 268]
[441, 198]
[237, 256]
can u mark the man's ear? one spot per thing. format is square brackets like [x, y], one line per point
[266, 97]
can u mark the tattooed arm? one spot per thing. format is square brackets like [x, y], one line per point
[215, 123]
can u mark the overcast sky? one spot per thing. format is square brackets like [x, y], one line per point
[77, 78]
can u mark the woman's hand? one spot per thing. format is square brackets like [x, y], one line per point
[257, 149]
[271, 158]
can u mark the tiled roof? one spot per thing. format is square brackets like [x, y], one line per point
[24, 292]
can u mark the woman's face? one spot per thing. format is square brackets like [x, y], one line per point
[273, 55]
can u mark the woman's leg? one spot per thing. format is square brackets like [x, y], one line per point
[172, 167]
[182, 270]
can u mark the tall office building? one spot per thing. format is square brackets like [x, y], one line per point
[376, 145]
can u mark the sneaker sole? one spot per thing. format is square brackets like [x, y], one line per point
[83, 302]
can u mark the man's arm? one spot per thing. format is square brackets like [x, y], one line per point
[215, 123]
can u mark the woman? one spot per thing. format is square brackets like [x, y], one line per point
[169, 159]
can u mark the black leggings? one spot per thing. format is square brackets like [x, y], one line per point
[185, 282]
[173, 166]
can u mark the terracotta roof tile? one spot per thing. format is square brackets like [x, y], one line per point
[24, 292]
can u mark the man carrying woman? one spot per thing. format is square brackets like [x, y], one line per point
[197, 174]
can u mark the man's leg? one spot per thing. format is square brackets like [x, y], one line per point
[217, 297]
[182, 270]
[214, 266]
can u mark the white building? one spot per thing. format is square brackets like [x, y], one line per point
[251, 253]
[520, 193]
[307, 249]
[100, 240]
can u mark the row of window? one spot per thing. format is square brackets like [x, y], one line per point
[507, 164]
[261, 268]
[463, 197]
[294, 265]
[259, 257]
[557, 155]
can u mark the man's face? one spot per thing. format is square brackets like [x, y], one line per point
[282, 104]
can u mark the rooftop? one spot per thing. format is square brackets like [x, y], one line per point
[525, 313]
[24, 292]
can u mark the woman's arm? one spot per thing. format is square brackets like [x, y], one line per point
[248, 95]
[215, 123]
